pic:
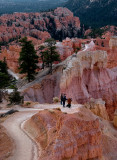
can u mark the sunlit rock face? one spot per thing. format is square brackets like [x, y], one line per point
[68, 46]
[113, 52]
[115, 119]
[108, 44]
[81, 77]
[66, 136]
[86, 76]
[81, 69]
[11, 55]
[113, 42]
[97, 106]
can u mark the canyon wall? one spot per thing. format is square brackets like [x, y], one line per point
[81, 77]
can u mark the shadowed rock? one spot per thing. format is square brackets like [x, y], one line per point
[12, 111]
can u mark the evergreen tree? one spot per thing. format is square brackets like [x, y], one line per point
[42, 53]
[28, 59]
[15, 97]
[4, 78]
[3, 67]
[51, 55]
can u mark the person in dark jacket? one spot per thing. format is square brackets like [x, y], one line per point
[61, 98]
[64, 100]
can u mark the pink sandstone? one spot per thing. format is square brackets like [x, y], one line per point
[66, 136]
[81, 77]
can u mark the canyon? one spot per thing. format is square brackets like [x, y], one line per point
[59, 23]
[87, 73]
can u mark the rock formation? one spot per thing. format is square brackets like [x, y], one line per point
[59, 23]
[11, 55]
[86, 76]
[6, 144]
[110, 45]
[97, 106]
[68, 46]
[81, 77]
[115, 119]
[81, 69]
[66, 136]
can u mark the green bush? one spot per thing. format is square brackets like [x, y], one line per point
[55, 99]
[28, 103]
[16, 98]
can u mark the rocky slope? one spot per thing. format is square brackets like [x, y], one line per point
[63, 135]
[66, 136]
[6, 144]
[94, 12]
[59, 23]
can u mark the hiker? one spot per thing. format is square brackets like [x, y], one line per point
[61, 98]
[64, 99]
[69, 100]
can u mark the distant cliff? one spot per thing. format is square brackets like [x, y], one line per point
[59, 23]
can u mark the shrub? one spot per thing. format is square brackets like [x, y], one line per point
[28, 103]
[55, 99]
[15, 97]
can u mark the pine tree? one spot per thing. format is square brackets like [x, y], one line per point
[4, 78]
[15, 97]
[42, 53]
[3, 66]
[28, 59]
[51, 55]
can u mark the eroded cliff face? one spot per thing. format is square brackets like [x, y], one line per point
[11, 55]
[66, 136]
[108, 44]
[84, 72]
[86, 76]
[97, 106]
[81, 77]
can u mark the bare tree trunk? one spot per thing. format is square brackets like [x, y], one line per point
[51, 68]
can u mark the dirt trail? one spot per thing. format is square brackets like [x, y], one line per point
[25, 148]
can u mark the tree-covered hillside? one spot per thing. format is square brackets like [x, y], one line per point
[11, 6]
[94, 13]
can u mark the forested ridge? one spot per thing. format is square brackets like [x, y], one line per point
[94, 13]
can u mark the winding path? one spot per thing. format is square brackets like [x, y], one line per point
[25, 148]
